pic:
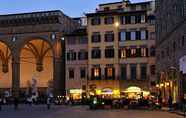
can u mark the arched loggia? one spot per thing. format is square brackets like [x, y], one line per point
[36, 60]
[5, 66]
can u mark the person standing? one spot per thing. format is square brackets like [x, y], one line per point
[170, 103]
[48, 102]
[16, 103]
[0, 103]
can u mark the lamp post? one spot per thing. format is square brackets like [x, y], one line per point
[117, 25]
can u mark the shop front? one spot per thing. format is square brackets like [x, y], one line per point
[134, 92]
[75, 94]
[108, 93]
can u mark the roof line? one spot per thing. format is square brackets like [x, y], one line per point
[129, 3]
[36, 12]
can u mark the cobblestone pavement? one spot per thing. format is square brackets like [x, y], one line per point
[41, 111]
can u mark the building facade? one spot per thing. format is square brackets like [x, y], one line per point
[32, 50]
[121, 49]
[76, 63]
[170, 31]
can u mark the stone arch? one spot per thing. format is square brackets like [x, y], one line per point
[26, 40]
[5, 65]
[36, 60]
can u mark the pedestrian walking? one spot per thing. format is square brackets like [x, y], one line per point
[16, 103]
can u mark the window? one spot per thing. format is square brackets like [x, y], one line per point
[71, 73]
[143, 71]
[109, 72]
[174, 46]
[96, 73]
[123, 72]
[96, 21]
[119, 6]
[83, 73]
[128, 36]
[142, 18]
[127, 20]
[128, 52]
[83, 40]
[183, 41]
[71, 55]
[106, 8]
[122, 20]
[122, 36]
[133, 19]
[138, 52]
[109, 20]
[83, 55]
[133, 71]
[144, 7]
[96, 53]
[71, 41]
[109, 36]
[133, 8]
[143, 35]
[138, 35]
[109, 53]
[162, 54]
[152, 35]
[144, 52]
[123, 53]
[133, 52]
[167, 51]
[153, 69]
[96, 37]
[152, 51]
[138, 19]
[133, 36]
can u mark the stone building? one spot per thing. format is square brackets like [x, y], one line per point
[170, 31]
[76, 63]
[31, 46]
[121, 48]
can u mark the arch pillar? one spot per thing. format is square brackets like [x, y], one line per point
[15, 74]
[59, 70]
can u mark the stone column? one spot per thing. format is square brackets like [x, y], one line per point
[15, 75]
[59, 68]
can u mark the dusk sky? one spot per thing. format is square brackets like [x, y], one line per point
[73, 8]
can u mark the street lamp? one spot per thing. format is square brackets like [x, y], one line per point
[116, 24]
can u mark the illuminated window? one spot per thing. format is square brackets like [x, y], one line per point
[133, 52]
[109, 72]
[123, 53]
[96, 72]
[143, 52]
